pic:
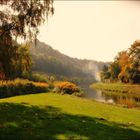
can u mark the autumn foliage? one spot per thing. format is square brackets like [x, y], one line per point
[66, 87]
[126, 66]
[21, 86]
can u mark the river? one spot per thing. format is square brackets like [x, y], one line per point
[128, 100]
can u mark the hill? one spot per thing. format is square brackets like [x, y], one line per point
[50, 61]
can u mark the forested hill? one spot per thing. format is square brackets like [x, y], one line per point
[51, 61]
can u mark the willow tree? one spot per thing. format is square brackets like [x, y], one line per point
[19, 19]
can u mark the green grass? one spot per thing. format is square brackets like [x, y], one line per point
[49, 116]
[118, 87]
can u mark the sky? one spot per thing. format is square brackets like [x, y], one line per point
[95, 30]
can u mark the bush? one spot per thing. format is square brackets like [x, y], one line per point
[78, 94]
[37, 77]
[66, 87]
[21, 86]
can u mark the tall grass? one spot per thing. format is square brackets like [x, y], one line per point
[21, 86]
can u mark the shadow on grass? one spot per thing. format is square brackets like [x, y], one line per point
[21, 121]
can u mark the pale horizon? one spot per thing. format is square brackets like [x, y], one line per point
[95, 30]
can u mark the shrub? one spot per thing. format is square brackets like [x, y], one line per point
[78, 94]
[21, 86]
[66, 87]
[37, 77]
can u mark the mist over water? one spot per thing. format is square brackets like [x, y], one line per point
[94, 69]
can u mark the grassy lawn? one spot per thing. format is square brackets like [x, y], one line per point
[49, 116]
[118, 87]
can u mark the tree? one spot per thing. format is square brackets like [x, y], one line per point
[114, 71]
[125, 65]
[15, 60]
[7, 54]
[134, 54]
[105, 74]
[123, 59]
[19, 18]
[22, 62]
[22, 17]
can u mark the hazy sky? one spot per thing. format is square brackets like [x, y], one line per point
[92, 29]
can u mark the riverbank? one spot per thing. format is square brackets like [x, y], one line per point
[117, 87]
[53, 116]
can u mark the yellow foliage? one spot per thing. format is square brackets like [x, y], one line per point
[21, 86]
[66, 87]
[41, 84]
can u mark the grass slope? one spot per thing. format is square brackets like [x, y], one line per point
[52, 116]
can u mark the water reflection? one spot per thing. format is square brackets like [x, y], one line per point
[129, 100]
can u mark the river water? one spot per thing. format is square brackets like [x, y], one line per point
[128, 100]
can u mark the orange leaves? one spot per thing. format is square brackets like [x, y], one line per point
[41, 84]
[66, 87]
[124, 59]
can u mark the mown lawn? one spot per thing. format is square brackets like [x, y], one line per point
[118, 87]
[49, 116]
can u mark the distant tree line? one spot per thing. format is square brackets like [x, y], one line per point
[45, 64]
[126, 66]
